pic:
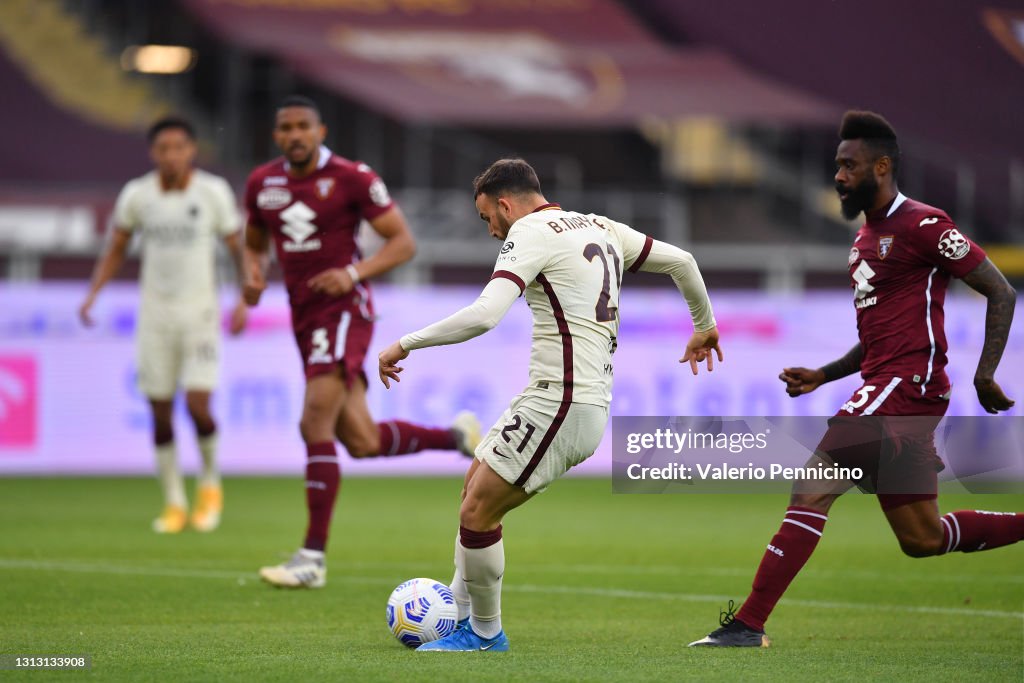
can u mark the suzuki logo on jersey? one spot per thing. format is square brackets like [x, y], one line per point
[862, 286]
[884, 246]
[298, 225]
[18, 401]
[953, 245]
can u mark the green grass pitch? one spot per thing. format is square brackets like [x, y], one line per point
[598, 587]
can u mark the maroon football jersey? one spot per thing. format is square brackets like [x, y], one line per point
[314, 221]
[900, 266]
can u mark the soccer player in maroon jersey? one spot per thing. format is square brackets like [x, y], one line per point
[900, 266]
[311, 202]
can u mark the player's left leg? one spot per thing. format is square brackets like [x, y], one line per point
[457, 585]
[923, 533]
[209, 494]
[199, 374]
[480, 559]
[364, 438]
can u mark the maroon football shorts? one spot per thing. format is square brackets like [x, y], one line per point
[334, 338]
[887, 429]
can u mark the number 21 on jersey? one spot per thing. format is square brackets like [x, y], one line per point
[604, 311]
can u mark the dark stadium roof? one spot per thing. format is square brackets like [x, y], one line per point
[571, 63]
[949, 75]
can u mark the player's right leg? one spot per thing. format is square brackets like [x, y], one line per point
[209, 494]
[199, 374]
[325, 394]
[787, 553]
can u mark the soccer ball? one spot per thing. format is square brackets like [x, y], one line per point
[421, 610]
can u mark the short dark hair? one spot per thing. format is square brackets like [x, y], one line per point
[875, 131]
[299, 101]
[169, 122]
[506, 176]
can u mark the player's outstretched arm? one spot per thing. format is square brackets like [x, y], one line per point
[800, 381]
[106, 267]
[988, 281]
[240, 314]
[682, 268]
[254, 263]
[472, 321]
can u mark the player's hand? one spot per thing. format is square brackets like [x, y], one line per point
[387, 363]
[700, 348]
[239, 317]
[254, 285]
[84, 311]
[801, 381]
[332, 282]
[991, 396]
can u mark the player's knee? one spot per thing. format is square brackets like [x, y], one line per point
[203, 421]
[921, 545]
[362, 449]
[474, 514]
[163, 431]
[821, 502]
[315, 425]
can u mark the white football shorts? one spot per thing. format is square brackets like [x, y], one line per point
[178, 348]
[536, 440]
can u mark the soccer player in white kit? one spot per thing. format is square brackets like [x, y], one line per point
[569, 266]
[180, 212]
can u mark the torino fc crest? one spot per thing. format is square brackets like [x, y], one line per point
[324, 187]
[884, 246]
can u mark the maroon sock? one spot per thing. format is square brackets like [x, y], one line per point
[787, 554]
[323, 477]
[478, 539]
[972, 530]
[399, 438]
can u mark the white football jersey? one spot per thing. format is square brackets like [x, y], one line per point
[179, 230]
[570, 267]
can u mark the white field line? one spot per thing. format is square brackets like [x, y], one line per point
[244, 577]
[745, 572]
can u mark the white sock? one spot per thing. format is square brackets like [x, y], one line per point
[208, 449]
[482, 569]
[458, 586]
[316, 555]
[170, 476]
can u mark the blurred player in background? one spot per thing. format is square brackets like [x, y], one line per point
[569, 266]
[311, 202]
[180, 212]
[900, 266]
